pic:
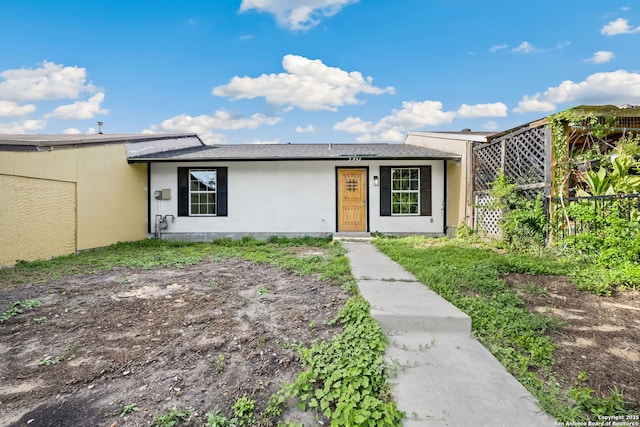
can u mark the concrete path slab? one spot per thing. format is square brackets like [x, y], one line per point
[411, 306]
[444, 377]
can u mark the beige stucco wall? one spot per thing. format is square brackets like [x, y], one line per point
[112, 197]
[37, 218]
[56, 202]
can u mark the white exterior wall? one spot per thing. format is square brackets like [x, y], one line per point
[289, 197]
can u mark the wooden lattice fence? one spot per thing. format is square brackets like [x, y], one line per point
[525, 157]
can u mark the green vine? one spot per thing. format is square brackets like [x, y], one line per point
[560, 123]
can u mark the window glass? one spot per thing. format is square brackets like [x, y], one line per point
[405, 191]
[202, 191]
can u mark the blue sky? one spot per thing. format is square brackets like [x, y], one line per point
[278, 71]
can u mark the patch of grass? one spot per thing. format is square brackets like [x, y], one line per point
[148, 254]
[469, 277]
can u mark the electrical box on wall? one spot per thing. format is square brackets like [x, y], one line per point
[164, 194]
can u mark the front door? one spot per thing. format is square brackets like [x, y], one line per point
[352, 200]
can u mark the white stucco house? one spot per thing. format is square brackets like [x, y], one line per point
[207, 192]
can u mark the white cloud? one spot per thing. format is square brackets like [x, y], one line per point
[616, 87]
[23, 126]
[354, 125]
[414, 115]
[204, 124]
[307, 84]
[49, 82]
[12, 109]
[308, 128]
[525, 47]
[601, 57]
[562, 45]
[262, 142]
[72, 131]
[498, 47]
[619, 26]
[491, 126]
[534, 103]
[297, 14]
[80, 110]
[497, 109]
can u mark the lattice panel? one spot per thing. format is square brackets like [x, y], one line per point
[486, 163]
[525, 157]
[486, 219]
[531, 194]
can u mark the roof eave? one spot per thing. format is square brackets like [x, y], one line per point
[289, 159]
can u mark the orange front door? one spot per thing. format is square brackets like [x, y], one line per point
[352, 200]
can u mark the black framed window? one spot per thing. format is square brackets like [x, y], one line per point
[202, 191]
[405, 190]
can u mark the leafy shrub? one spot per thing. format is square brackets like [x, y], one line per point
[344, 379]
[523, 221]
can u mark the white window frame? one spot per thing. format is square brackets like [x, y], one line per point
[203, 192]
[405, 191]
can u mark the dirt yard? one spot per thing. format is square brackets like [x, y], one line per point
[195, 338]
[601, 336]
[202, 336]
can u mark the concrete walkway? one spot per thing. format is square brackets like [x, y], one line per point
[444, 376]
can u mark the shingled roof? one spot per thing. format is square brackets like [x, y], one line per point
[255, 152]
[34, 142]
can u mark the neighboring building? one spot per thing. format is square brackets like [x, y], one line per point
[459, 175]
[297, 189]
[64, 193]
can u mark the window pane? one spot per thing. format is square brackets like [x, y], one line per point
[405, 190]
[206, 179]
[202, 191]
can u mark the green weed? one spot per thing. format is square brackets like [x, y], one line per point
[220, 365]
[216, 419]
[172, 418]
[243, 411]
[585, 398]
[345, 378]
[18, 307]
[128, 409]
[49, 360]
